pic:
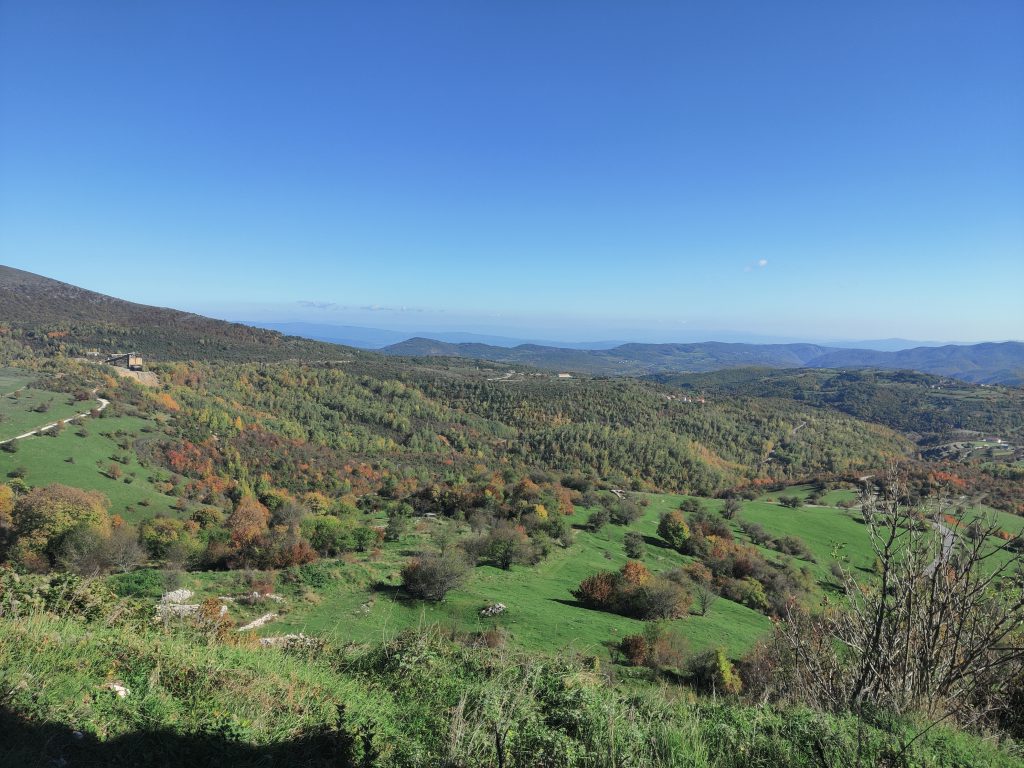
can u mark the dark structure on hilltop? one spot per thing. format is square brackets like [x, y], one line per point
[130, 360]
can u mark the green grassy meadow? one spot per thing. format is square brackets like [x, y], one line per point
[12, 379]
[17, 407]
[362, 603]
[45, 459]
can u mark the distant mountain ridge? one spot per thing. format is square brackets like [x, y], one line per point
[366, 337]
[986, 363]
[375, 338]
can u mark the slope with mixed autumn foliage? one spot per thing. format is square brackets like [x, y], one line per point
[50, 316]
[932, 408]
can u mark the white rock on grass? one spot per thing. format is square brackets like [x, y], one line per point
[177, 596]
[257, 623]
[177, 609]
[494, 610]
[119, 690]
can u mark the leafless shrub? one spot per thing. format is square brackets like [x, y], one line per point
[938, 631]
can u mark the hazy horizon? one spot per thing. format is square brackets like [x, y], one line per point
[447, 326]
[552, 336]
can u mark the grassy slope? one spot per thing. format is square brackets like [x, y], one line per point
[361, 604]
[18, 417]
[830, 499]
[202, 703]
[45, 459]
[820, 528]
[12, 379]
[542, 614]
[173, 683]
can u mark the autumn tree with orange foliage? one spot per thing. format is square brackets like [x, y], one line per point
[44, 516]
[634, 591]
[248, 522]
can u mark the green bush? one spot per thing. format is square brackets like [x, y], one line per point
[315, 575]
[146, 582]
[432, 577]
[634, 545]
[673, 529]
[712, 672]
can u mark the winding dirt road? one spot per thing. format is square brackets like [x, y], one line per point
[948, 540]
[103, 404]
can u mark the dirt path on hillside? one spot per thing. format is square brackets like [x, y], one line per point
[103, 404]
[948, 539]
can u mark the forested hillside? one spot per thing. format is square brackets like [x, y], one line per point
[932, 407]
[625, 359]
[54, 317]
[625, 431]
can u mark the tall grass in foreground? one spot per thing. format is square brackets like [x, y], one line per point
[419, 700]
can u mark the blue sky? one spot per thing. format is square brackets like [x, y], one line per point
[567, 170]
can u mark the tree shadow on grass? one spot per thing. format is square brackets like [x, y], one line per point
[393, 591]
[572, 603]
[653, 541]
[831, 588]
[29, 744]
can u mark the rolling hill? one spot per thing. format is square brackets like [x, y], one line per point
[375, 338]
[328, 475]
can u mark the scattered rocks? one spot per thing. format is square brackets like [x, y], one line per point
[257, 623]
[494, 610]
[166, 610]
[177, 596]
[291, 641]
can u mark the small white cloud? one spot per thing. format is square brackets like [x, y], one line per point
[762, 262]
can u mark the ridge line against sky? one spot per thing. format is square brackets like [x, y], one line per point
[577, 172]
